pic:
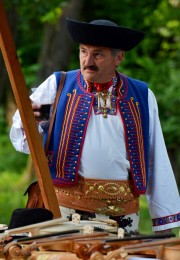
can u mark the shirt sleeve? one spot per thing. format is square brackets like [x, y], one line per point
[17, 133]
[162, 193]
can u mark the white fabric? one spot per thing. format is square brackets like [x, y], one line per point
[104, 143]
[104, 152]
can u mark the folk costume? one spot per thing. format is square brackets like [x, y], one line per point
[107, 146]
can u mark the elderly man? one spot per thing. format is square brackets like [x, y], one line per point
[106, 146]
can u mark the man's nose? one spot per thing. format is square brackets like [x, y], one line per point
[89, 60]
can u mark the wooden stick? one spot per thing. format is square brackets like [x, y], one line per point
[153, 243]
[27, 116]
[34, 229]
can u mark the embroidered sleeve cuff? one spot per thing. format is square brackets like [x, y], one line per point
[166, 222]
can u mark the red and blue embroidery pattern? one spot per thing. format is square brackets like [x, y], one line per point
[134, 138]
[72, 135]
[166, 220]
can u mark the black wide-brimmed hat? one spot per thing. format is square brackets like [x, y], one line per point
[25, 216]
[104, 33]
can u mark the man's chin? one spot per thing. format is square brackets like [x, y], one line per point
[90, 75]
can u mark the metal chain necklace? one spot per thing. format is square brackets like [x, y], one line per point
[104, 96]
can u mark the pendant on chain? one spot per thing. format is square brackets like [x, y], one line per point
[104, 96]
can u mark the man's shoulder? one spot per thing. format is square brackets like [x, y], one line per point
[137, 82]
[70, 73]
[135, 86]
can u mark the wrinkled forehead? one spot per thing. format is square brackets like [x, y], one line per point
[93, 47]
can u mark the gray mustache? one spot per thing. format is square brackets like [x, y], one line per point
[91, 68]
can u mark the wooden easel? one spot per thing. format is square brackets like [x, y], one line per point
[24, 105]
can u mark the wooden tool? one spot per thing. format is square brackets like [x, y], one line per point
[156, 249]
[27, 116]
[35, 228]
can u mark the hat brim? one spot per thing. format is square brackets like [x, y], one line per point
[116, 37]
[28, 216]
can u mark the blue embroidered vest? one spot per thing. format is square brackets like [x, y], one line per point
[71, 120]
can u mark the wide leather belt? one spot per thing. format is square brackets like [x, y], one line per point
[107, 197]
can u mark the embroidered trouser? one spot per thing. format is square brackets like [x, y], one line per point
[128, 222]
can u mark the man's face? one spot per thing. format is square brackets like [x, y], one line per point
[98, 64]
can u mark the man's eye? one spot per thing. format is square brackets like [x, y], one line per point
[98, 55]
[83, 52]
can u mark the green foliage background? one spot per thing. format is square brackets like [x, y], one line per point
[156, 60]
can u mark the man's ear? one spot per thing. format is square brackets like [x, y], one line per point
[119, 57]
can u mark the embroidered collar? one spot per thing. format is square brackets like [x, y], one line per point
[98, 86]
[110, 86]
[105, 96]
[119, 87]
